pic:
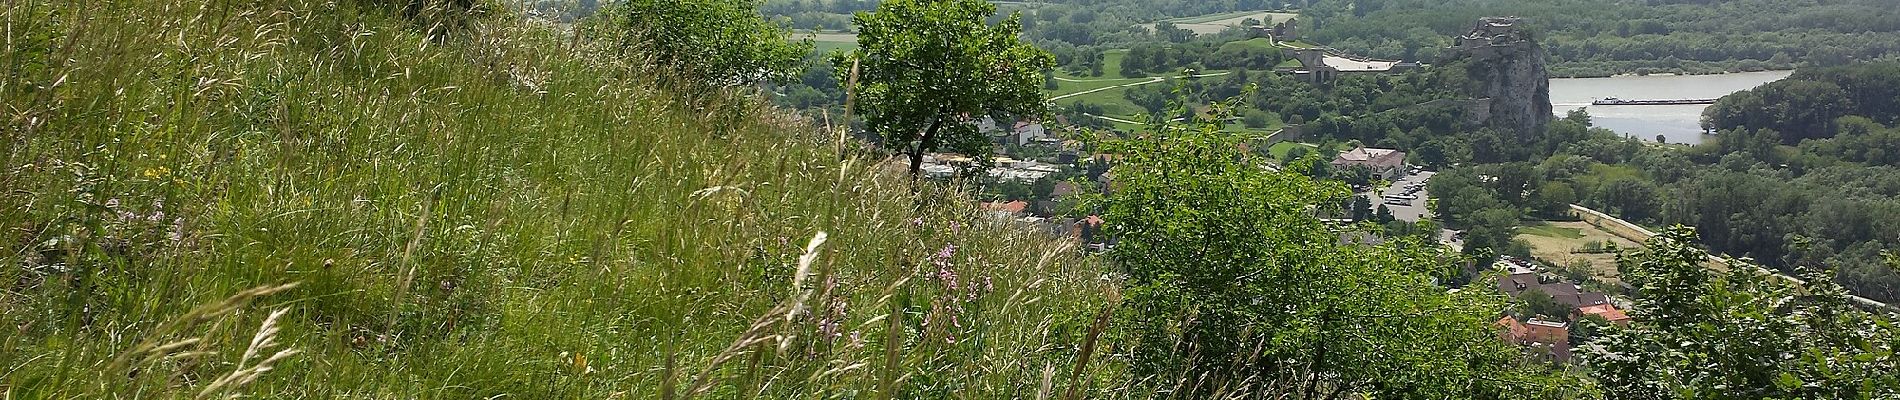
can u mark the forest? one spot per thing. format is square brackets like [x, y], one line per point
[1826, 200]
[1597, 38]
[1811, 103]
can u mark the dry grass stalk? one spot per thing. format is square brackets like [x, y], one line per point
[264, 340]
[155, 347]
[415, 240]
[1048, 382]
[757, 333]
[1088, 350]
[850, 100]
[804, 272]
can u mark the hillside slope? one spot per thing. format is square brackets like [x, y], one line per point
[494, 211]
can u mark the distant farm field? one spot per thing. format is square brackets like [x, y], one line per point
[836, 37]
[1214, 23]
[1112, 102]
[825, 42]
[827, 47]
[1552, 231]
[1556, 243]
[1279, 150]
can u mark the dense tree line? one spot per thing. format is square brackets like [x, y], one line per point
[1587, 37]
[1808, 104]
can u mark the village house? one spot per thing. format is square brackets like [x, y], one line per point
[1607, 311]
[1013, 170]
[1538, 336]
[1387, 164]
[1005, 210]
[1564, 292]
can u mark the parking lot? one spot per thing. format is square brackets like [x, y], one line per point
[1409, 210]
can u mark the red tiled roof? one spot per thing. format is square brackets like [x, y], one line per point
[1014, 207]
[1608, 312]
[1512, 329]
[1534, 331]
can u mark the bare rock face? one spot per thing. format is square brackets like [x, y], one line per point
[1506, 67]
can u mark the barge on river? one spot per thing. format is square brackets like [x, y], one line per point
[1621, 102]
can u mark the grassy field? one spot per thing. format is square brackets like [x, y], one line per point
[1111, 66]
[1068, 88]
[1552, 231]
[825, 42]
[1215, 23]
[1280, 149]
[1556, 242]
[285, 199]
[828, 47]
[1112, 101]
[1112, 62]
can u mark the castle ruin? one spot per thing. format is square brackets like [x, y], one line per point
[1507, 68]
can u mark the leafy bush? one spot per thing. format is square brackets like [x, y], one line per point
[704, 43]
[1233, 283]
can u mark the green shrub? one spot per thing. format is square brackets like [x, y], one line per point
[1233, 284]
[704, 43]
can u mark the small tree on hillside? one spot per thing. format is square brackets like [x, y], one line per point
[705, 43]
[929, 67]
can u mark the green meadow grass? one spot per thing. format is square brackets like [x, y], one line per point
[828, 47]
[1112, 102]
[1111, 66]
[1551, 231]
[291, 199]
[1065, 88]
[1279, 150]
[1112, 62]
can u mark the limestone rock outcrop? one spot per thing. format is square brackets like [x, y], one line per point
[1506, 67]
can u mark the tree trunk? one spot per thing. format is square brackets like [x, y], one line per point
[923, 145]
[1319, 356]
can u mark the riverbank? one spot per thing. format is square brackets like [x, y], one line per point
[1573, 70]
[1674, 123]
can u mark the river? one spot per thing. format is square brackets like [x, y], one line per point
[1676, 123]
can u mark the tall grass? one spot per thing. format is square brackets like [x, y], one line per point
[499, 211]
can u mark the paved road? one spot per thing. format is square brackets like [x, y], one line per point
[1106, 88]
[1113, 119]
[1150, 80]
[1062, 79]
[1413, 210]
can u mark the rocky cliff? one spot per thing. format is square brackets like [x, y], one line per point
[1506, 70]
